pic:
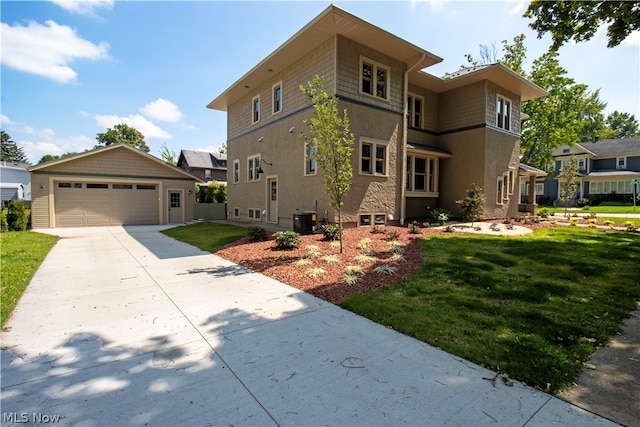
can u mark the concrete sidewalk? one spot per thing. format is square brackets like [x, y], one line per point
[125, 326]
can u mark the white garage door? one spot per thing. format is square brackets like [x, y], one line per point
[80, 204]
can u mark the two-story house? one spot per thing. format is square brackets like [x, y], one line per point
[605, 168]
[205, 165]
[420, 141]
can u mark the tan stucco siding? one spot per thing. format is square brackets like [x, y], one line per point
[318, 62]
[116, 162]
[463, 107]
[502, 155]
[348, 81]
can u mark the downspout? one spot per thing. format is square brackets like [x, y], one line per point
[405, 141]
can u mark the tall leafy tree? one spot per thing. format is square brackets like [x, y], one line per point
[48, 157]
[11, 152]
[332, 141]
[621, 125]
[123, 133]
[580, 19]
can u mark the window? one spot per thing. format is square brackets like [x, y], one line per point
[503, 113]
[373, 157]
[277, 97]
[414, 110]
[98, 186]
[255, 105]
[309, 160]
[512, 181]
[236, 171]
[69, 185]
[422, 174]
[236, 212]
[499, 192]
[379, 219]
[254, 214]
[582, 164]
[253, 164]
[365, 220]
[146, 187]
[621, 163]
[374, 79]
[606, 187]
[122, 187]
[207, 174]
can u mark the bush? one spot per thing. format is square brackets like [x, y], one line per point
[439, 216]
[257, 234]
[544, 213]
[473, 205]
[330, 232]
[17, 216]
[287, 239]
[4, 226]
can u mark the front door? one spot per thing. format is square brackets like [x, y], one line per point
[175, 207]
[272, 188]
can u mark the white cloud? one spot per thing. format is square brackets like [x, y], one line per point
[46, 50]
[148, 129]
[632, 39]
[84, 7]
[163, 110]
[45, 141]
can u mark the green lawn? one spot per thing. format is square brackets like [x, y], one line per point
[207, 236]
[22, 254]
[534, 307]
[595, 209]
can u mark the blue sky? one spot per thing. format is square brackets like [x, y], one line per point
[71, 69]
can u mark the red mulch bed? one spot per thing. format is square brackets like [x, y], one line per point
[263, 257]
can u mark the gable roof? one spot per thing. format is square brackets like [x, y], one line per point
[329, 23]
[613, 147]
[120, 146]
[202, 159]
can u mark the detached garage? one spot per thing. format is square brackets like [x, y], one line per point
[113, 185]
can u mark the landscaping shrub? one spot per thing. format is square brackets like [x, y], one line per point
[330, 232]
[287, 239]
[439, 216]
[17, 216]
[257, 234]
[4, 227]
[472, 205]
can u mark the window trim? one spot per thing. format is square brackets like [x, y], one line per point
[499, 188]
[375, 65]
[501, 122]
[273, 98]
[251, 214]
[236, 171]
[428, 174]
[255, 109]
[236, 212]
[308, 161]
[623, 165]
[208, 172]
[252, 171]
[374, 143]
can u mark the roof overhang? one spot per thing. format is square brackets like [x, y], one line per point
[119, 146]
[496, 73]
[526, 170]
[428, 150]
[608, 174]
[332, 22]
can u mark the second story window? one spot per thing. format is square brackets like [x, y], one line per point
[621, 163]
[414, 113]
[374, 79]
[207, 174]
[255, 106]
[503, 113]
[277, 97]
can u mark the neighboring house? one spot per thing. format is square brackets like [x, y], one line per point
[606, 169]
[205, 165]
[113, 185]
[420, 141]
[15, 182]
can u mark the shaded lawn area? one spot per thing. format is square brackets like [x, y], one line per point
[208, 236]
[533, 307]
[22, 254]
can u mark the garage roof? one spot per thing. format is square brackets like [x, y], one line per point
[120, 146]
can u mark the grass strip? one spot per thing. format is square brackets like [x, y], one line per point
[22, 254]
[208, 236]
[534, 307]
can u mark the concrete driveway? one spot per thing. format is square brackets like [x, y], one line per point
[125, 326]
